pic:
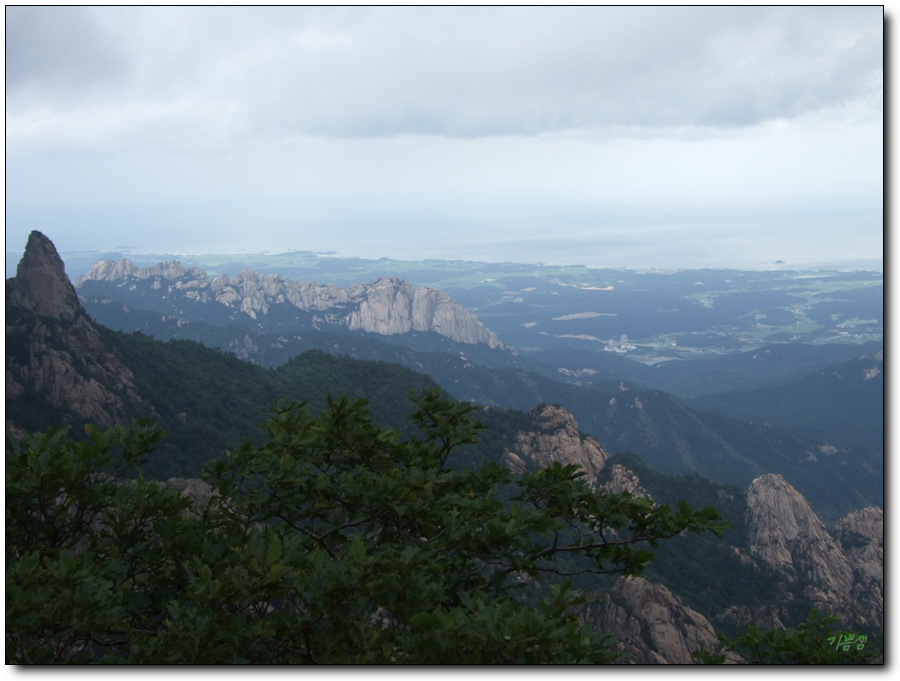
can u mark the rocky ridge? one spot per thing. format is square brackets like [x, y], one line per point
[557, 440]
[41, 285]
[651, 624]
[841, 572]
[387, 306]
[844, 569]
[59, 354]
[861, 536]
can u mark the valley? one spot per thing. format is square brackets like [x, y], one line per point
[663, 314]
[478, 335]
[680, 347]
[751, 427]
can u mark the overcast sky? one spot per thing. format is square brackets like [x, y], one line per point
[601, 136]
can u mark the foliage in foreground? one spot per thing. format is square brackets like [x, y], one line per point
[335, 541]
[815, 641]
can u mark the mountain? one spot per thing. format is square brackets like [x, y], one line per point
[62, 368]
[557, 439]
[253, 316]
[388, 306]
[56, 361]
[40, 285]
[274, 349]
[652, 625]
[776, 562]
[843, 401]
[702, 377]
[672, 437]
[843, 569]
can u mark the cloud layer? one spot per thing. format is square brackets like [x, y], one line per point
[503, 118]
[236, 73]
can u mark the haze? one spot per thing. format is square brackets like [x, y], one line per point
[605, 136]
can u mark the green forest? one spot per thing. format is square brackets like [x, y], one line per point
[125, 569]
[335, 541]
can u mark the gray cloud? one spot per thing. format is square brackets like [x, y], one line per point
[336, 128]
[459, 72]
[60, 54]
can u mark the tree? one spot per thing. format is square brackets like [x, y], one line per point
[89, 556]
[335, 541]
[815, 641]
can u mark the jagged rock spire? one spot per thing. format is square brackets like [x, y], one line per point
[784, 531]
[41, 284]
[60, 356]
[387, 306]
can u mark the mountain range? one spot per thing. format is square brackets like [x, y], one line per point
[776, 562]
[627, 405]
[271, 303]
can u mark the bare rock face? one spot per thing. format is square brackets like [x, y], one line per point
[622, 479]
[861, 536]
[764, 618]
[387, 306]
[786, 533]
[59, 354]
[558, 440]
[390, 306]
[845, 571]
[514, 462]
[40, 284]
[651, 624]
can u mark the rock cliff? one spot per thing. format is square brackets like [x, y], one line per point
[621, 479]
[558, 439]
[841, 572]
[54, 351]
[861, 536]
[40, 284]
[845, 571]
[651, 625]
[388, 306]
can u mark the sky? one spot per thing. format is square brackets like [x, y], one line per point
[602, 136]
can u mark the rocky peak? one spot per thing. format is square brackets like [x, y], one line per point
[387, 306]
[63, 361]
[621, 479]
[861, 536]
[845, 571]
[557, 440]
[651, 624]
[862, 532]
[41, 285]
[108, 270]
[390, 306]
[786, 533]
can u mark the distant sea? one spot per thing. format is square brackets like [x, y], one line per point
[602, 254]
